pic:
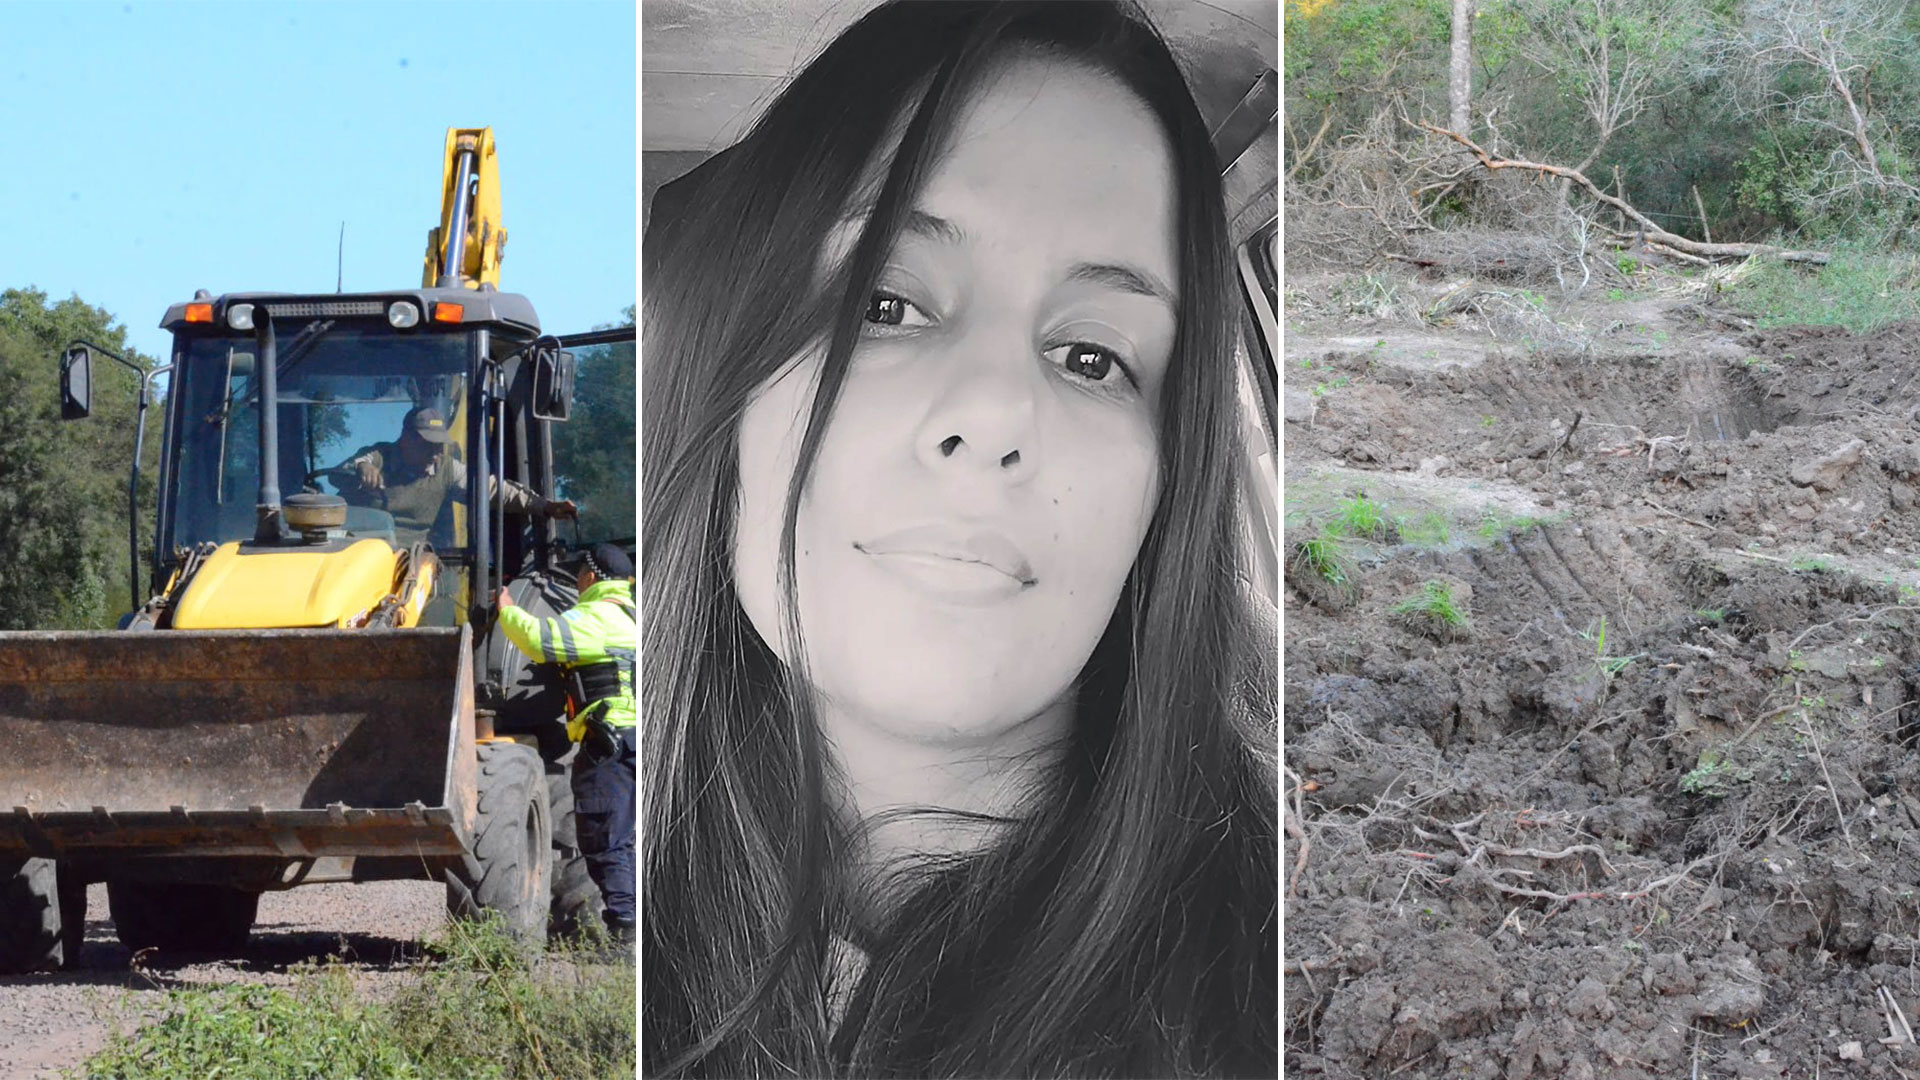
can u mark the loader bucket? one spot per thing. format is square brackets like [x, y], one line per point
[293, 743]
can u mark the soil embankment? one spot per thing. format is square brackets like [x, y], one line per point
[1651, 806]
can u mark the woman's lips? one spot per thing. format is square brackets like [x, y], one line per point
[957, 561]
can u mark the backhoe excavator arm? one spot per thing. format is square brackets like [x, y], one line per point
[466, 249]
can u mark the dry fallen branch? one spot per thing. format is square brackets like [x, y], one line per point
[1676, 253]
[1652, 231]
[1295, 830]
[1301, 157]
[1899, 1030]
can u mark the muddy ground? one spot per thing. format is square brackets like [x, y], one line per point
[1653, 810]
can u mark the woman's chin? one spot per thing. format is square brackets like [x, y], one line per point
[940, 708]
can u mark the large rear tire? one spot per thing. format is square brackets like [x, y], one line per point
[73, 916]
[30, 917]
[576, 899]
[174, 916]
[508, 866]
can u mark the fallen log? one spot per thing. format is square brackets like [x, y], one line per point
[1653, 232]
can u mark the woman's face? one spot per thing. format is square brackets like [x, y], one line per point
[990, 468]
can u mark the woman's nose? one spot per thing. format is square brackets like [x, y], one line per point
[984, 419]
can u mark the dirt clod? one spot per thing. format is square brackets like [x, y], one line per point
[1826, 473]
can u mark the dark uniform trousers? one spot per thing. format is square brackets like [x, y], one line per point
[603, 802]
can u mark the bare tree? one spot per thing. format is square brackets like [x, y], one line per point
[1837, 42]
[1615, 56]
[1460, 74]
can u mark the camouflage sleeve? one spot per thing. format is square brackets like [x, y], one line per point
[518, 498]
[515, 497]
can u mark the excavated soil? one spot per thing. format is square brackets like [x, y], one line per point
[1654, 809]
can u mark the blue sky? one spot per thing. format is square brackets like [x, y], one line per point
[151, 149]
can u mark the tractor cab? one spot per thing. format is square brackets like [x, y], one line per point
[448, 390]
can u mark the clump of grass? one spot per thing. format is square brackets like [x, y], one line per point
[482, 1007]
[1433, 611]
[1324, 557]
[1431, 529]
[1361, 518]
[1609, 665]
[1373, 295]
[1861, 288]
[489, 1002]
[1812, 564]
[1495, 524]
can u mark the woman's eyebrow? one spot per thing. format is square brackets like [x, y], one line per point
[1127, 279]
[1117, 276]
[921, 223]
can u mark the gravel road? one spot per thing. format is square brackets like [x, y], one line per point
[53, 1022]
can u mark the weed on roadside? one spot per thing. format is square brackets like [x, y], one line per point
[489, 1002]
[482, 1006]
[318, 1028]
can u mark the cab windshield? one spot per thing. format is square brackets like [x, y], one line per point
[344, 391]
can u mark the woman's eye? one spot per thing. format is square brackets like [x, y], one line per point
[886, 309]
[1089, 362]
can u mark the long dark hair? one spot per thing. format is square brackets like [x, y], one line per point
[1127, 924]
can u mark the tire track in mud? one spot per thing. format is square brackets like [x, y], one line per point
[1735, 770]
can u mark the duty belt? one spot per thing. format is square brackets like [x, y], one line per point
[587, 686]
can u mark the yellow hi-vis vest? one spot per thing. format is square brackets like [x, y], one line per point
[600, 628]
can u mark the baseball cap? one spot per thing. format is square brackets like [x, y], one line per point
[428, 423]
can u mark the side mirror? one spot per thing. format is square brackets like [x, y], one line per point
[76, 382]
[553, 371]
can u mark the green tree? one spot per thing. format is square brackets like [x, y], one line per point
[63, 524]
[1348, 58]
[594, 450]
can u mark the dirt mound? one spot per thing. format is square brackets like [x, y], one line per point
[1625, 786]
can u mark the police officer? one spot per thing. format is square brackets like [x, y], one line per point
[413, 476]
[595, 643]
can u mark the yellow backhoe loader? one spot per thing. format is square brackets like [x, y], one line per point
[313, 691]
